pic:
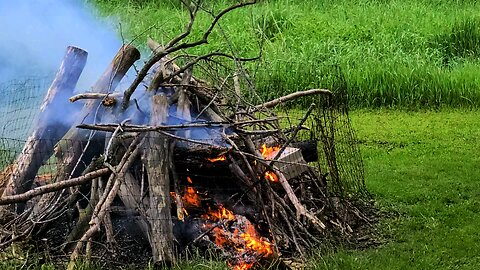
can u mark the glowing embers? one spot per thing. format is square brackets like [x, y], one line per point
[190, 197]
[217, 159]
[271, 176]
[237, 236]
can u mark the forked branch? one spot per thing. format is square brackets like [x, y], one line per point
[171, 47]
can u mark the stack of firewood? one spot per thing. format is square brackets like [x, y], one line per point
[134, 155]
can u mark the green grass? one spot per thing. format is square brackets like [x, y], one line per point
[389, 53]
[425, 167]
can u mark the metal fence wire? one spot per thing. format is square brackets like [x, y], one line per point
[326, 134]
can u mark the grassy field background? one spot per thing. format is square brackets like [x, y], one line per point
[390, 53]
[423, 168]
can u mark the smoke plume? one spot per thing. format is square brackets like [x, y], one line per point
[33, 38]
[35, 34]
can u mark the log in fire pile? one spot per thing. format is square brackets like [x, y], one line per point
[181, 162]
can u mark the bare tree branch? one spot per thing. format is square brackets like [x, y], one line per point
[172, 47]
[275, 102]
[53, 187]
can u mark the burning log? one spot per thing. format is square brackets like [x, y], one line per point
[48, 128]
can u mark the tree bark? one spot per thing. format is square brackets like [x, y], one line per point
[158, 162]
[49, 128]
[69, 151]
[78, 147]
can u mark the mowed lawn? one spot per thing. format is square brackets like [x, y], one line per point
[424, 169]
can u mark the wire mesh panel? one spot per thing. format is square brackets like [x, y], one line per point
[20, 104]
[238, 187]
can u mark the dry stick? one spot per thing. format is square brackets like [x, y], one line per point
[102, 194]
[301, 210]
[264, 133]
[207, 106]
[221, 148]
[294, 135]
[107, 221]
[133, 148]
[237, 171]
[238, 93]
[93, 96]
[200, 58]
[185, 85]
[131, 195]
[292, 232]
[183, 104]
[292, 213]
[53, 187]
[39, 146]
[176, 187]
[172, 47]
[103, 205]
[292, 96]
[70, 151]
[170, 71]
[145, 128]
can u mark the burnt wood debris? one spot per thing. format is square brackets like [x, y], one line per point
[179, 163]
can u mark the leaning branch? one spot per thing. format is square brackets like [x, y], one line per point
[171, 48]
[275, 102]
[92, 96]
[53, 187]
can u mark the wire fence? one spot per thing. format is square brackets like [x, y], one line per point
[206, 177]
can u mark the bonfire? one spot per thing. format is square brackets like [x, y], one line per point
[187, 162]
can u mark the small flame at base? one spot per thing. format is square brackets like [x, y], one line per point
[244, 266]
[237, 235]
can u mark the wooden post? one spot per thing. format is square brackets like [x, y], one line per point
[76, 148]
[69, 151]
[158, 161]
[49, 128]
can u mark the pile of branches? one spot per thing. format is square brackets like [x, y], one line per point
[122, 152]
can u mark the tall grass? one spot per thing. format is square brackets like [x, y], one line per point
[385, 53]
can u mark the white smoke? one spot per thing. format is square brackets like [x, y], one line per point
[35, 33]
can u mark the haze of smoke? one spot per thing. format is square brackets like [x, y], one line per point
[35, 34]
[33, 38]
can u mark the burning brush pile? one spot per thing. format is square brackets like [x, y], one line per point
[187, 163]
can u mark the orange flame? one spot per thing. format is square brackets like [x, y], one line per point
[271, 176]
[191, 198]
[256, 243]
[220, 158]
[221, 213]
[244, 239]
[189, 180]
[267, 152]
